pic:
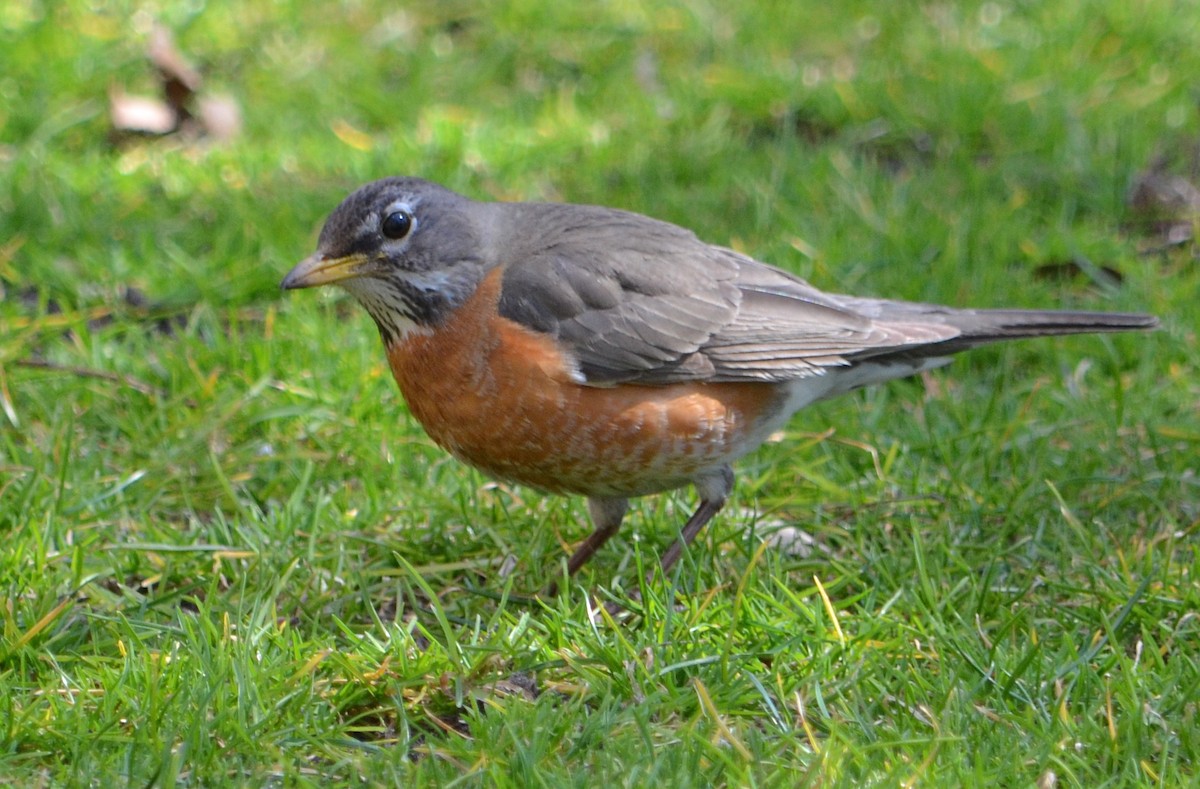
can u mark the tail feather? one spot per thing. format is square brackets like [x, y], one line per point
[979, 326]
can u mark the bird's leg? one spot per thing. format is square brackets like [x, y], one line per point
[607, 515]
[713, 490]
[700, 517]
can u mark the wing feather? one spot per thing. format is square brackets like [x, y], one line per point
[633, 299]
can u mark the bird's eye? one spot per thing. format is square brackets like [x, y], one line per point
[396, 225]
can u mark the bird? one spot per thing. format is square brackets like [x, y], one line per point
[586, 350]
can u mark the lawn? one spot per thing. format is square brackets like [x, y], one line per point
[230, 556]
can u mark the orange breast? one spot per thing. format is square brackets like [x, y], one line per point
[499, 397]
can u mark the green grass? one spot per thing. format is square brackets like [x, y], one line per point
[230, 556]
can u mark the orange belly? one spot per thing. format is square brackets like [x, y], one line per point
[498, 397]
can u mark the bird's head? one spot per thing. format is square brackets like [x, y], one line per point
[408, 250]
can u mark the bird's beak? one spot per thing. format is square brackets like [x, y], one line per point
[319, 269]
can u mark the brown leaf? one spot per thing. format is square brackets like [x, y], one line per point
[140, 114]
[1164, 204]
[180, 78]
[1063, 270]
[221, 117]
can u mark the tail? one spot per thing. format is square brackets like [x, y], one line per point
[924, 336]
[979, 327]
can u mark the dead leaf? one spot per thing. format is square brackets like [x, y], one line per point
[140, 114]
[1164, 204]
[1064, 270]
[221, 117]
[183, 108]
[180, 78]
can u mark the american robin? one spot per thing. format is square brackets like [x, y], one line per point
[587, 350]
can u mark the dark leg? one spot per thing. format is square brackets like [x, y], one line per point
[713, 490]
[700, 517]
[607, 515]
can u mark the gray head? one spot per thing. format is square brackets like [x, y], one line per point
[408, 250]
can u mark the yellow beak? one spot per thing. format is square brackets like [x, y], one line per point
[317, 269]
